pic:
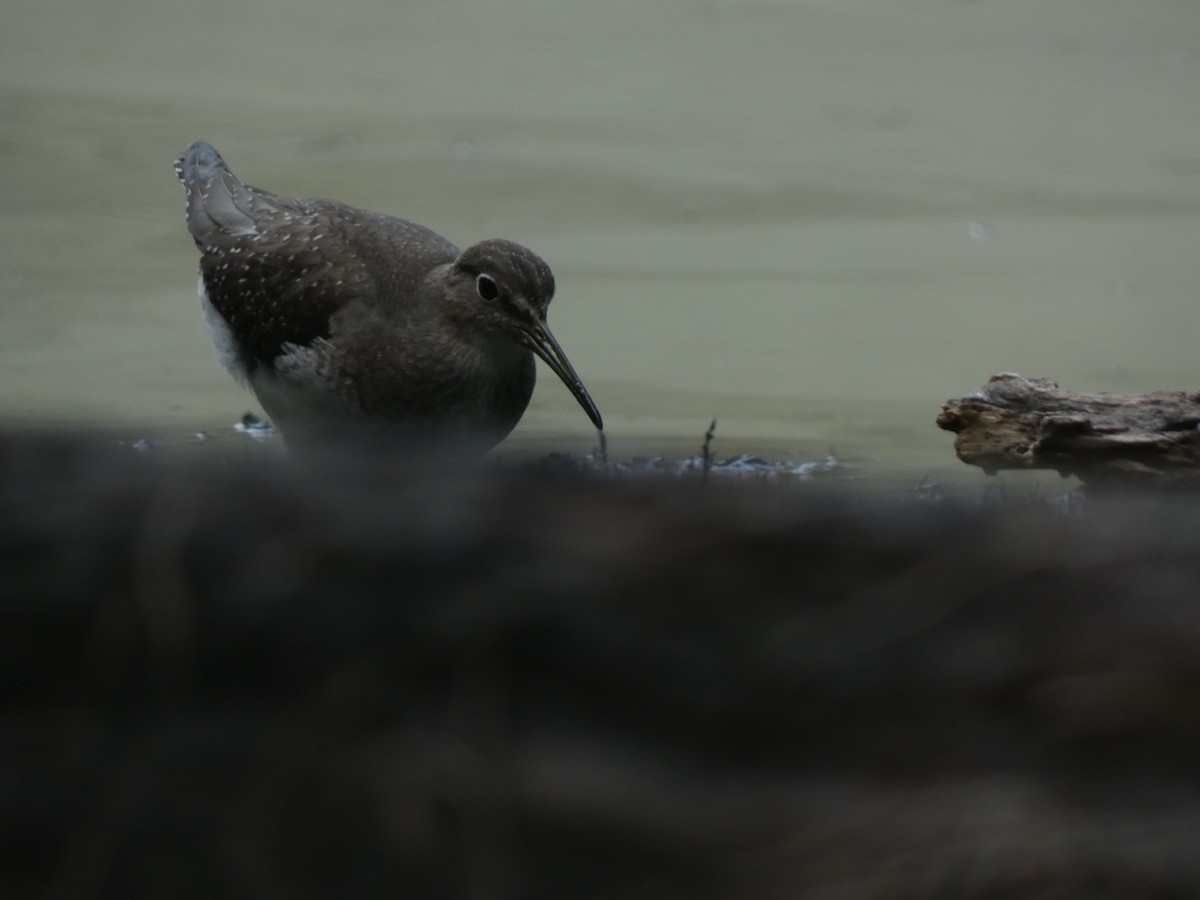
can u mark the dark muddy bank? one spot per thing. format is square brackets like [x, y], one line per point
[248, 679]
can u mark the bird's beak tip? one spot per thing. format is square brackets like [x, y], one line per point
[542, 342]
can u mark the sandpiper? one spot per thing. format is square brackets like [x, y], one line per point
[344, 321]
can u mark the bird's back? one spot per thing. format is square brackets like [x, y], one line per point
[278, 270]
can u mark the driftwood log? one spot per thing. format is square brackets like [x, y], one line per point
[1104, 439]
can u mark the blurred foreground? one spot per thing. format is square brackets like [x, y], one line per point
[249, 679]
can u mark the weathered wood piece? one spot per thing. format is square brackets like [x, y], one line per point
[1017, 423]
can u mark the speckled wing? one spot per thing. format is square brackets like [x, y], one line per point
[279, 269]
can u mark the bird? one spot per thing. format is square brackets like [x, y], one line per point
[351, 323]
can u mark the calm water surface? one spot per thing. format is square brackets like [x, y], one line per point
[813, 220]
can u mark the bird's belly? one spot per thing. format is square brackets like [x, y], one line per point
[303, 412]
[225, 344]
[312, 395]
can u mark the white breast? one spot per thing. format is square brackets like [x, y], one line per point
[223, 340]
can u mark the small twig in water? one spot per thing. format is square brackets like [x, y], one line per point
[706, 453]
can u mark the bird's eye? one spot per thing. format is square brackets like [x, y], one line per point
[486, 286]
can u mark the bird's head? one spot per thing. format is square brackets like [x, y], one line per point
[506, 289]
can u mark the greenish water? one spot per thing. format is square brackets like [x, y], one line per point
[815, 221]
